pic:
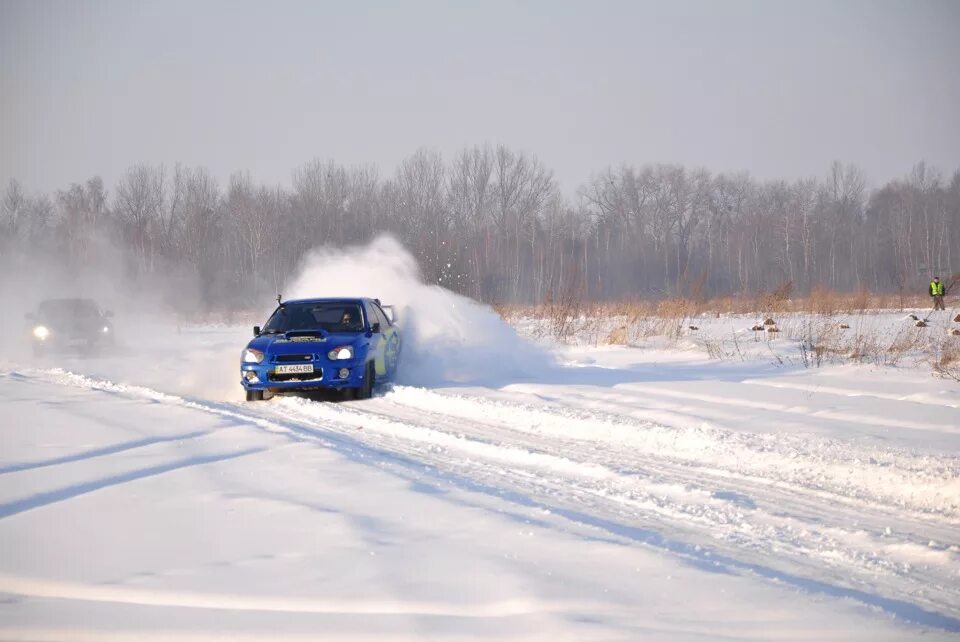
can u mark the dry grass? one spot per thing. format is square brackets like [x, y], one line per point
[823, 302]
[906, 341]
[618, 336]
[814, 325]
[820, 301]
[946, 358]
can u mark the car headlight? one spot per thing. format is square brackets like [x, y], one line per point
[251, 355]
[343, 352]
[106, 329]
[41, 332]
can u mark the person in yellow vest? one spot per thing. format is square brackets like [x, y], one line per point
[937, 292]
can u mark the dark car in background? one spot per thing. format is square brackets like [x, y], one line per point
[70, 325]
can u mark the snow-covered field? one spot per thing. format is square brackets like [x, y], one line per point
[504, 489]
[620, 493]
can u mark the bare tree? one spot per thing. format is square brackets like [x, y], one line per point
[422, 212]
[83, 211]
[492, 224]
[138, 205]
[12, 212]
[522, 187]
[470, 194]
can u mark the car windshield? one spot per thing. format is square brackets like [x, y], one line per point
[329, 316]
[68, 309]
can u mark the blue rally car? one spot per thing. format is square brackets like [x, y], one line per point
[322, 344]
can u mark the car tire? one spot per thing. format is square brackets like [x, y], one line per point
[254, 395]
[366, 390]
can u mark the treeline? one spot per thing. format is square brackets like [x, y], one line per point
[491, 223]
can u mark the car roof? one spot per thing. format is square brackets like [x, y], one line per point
[330, 300]
[68, 304]
[69, 300]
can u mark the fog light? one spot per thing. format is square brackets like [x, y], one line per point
[251, 377]
[344, 373]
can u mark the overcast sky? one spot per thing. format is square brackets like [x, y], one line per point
[779, 89]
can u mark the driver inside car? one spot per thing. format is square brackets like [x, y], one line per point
[347, 322]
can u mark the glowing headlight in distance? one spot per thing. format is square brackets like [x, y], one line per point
[343, 352]
[106, 329]
[41, 332]
[252, 356]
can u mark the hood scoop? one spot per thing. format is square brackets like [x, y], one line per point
[306, 335]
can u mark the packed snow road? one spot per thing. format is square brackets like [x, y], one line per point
[620, 494]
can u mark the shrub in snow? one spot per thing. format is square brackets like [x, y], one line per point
[618, 336]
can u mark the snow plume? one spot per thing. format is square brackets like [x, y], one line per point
[446, 337]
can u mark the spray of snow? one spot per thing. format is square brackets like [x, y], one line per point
[446, 337]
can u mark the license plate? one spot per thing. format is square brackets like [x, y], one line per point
[298, 368]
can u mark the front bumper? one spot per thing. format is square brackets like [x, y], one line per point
[326, 375]
[62, 341]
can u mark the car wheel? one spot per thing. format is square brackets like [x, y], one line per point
[366, 391]
[254, 395]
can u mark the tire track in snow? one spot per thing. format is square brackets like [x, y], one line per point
[862, 527]
[800, 546]
[837, 470]
[100, 452]
[705, 476]
[46, 498]
[118, 594]
[917, 398]
[739, 402]
[576, 485]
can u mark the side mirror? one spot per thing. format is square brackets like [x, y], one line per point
[375, 328]
[256, 331]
